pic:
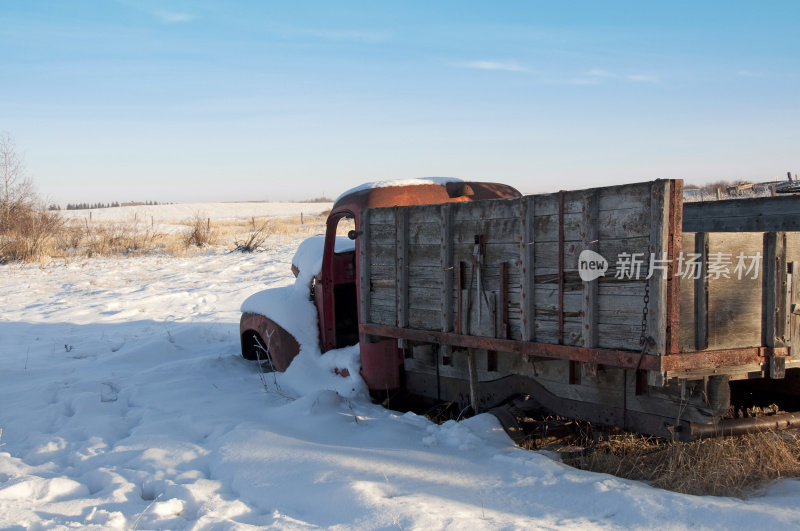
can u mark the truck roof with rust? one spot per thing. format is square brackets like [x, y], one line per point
[423, 191]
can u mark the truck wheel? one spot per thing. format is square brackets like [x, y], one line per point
[254, 349]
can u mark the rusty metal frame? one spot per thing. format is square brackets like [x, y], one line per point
[736, 427]
[712, 359]
[674, 247]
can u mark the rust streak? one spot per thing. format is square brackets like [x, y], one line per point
[712, 359]
[673, 251]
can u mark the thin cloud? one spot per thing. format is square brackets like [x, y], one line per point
[511, 66]
[173, 17]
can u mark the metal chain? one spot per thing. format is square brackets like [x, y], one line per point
[643, 336]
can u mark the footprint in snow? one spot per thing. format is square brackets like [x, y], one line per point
[109, 392]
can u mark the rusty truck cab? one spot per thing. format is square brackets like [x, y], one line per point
[336, 292]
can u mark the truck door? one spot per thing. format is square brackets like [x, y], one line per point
[336, 296]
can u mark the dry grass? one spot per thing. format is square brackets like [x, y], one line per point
[730, 466]
[42, 235]
[27, 233]
[199, 232]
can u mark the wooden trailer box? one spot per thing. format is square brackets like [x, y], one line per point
[594, 303]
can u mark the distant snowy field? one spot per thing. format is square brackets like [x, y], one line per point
[124, 403]
[185, 211]
[172, 218]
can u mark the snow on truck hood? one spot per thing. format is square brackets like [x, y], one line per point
[290, 306]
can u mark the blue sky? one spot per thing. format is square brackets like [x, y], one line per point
[202, 100]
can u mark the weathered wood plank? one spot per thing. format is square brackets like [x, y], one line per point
[623, 196]
[611, 250]
[793, 246]
[503, 303]
[424, 319]
[496, 230]
[547, 332]
[447, 267]
[611, 286]
[763, 214]
[590, 299]
[425, 298]
[623, 223]
[382, 315]
[547, 204]
[659, 235]
[493, 209]
[430, 255]
[774, 298]
[619, 336]
[431, 276]
[382, 216]
[700, 288]
[364, 274]
[401, 259]
[527, 257]
[546, 227]
[383, 295]
[610, 198]
[382, 234]
[734, 298]
[734, 313]
[687, 337]
[546, 299]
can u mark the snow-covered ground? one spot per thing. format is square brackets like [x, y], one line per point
[185, 211]
[124, 403]
[175, 217]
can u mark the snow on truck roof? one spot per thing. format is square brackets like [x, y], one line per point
[441, 181]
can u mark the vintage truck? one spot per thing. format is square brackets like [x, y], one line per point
[618, 305]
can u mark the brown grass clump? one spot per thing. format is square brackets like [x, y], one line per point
[35, 234]
[199, 232]
[256, 237]
[730, 466]
[27, 232]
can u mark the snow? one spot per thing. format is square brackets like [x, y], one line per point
[125, 404]
[308, 257]
[291, 307]
[174, 217]
[401, 182]
[184, 211]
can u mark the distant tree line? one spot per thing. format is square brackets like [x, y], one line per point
[88, 206]
[322, 199]
[711, 187]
